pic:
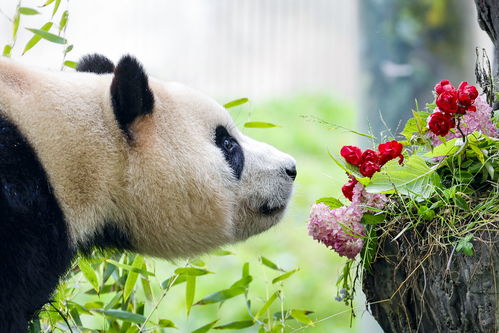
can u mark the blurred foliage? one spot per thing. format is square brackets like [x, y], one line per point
[408, 46]
[290, 289]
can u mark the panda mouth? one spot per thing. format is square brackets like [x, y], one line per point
[269, 211]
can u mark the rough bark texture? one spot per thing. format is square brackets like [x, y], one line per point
[420, 289]
[488, 19]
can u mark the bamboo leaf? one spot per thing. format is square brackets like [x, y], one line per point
[267, 305]
[70, 64]
[48, 36]
[221, 295]
[301, 316]
[28, 11]
[235, 103]
[63, 21]
[270, 264]
[15, 25]
[129, 268]
[284, 276]
[125, 316]
[36, 38]
[205, 328]
[89, 273]
[259, 124]
[235, 325]
[7, 50]
[48, 2]
[190, 290]
[166, 323]
[222, 253]
[131, 279]
[192, 271]
[56, 7]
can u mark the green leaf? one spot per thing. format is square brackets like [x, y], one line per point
[36, 38]
[221, 295]
[205, 328]
[414, 179]
[301, 316]
[69, 49]
[173, 281]
[445, 149]
[63, 21]
[246, 271]
[166, 323]
[350, 169]
[267, 305]
[235, 325]
[478, 152]
[331, 202]
[146, 286]
[48, 2]
[461, 202]
[7, 50]
[368, 252]
[284, 276]
[190, 290]
[138, 262]
[415, 125]
[198, 262]
[243, 282]
[89, 273]
[259, 124]
[15, 25]
[125, 316]
[191, 271]
[236, 102]
[70, 64]
[270, 264]
[48, 36]
[56, 7]
[28, 11]
[465, 245]
[129, 268]
[221, 253]
[368, 218]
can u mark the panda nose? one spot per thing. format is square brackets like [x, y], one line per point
[291, 172]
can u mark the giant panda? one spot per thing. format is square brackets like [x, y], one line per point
[107, 157]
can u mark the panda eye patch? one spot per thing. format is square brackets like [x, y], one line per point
[231, 149]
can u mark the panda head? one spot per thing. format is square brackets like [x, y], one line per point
[190, 180]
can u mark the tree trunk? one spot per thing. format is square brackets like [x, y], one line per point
[417, 287]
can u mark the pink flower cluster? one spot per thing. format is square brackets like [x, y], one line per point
[340, 228]
[480, 120]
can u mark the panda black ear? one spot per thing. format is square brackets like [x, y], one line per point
[95, 63]
[130, 93]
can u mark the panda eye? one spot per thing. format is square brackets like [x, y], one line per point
[229, 145]
[232, 151]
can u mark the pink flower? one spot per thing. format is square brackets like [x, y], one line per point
[480, 120]
[362, 199]
[339, 228]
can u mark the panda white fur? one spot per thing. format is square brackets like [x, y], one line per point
[108, 158]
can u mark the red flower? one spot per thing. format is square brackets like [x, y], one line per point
[440, 123]
[466, 96]
[390, 150]
[442, 86]
[351, 154]
[447, 101]
[369, 155]
[347, 189]
[368, 168]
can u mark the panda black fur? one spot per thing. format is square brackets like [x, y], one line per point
[240, 187]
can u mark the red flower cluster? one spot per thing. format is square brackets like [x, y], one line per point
[451, 102]
[369, 162]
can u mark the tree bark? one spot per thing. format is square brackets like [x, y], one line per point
[488, 19]
[417, 288]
